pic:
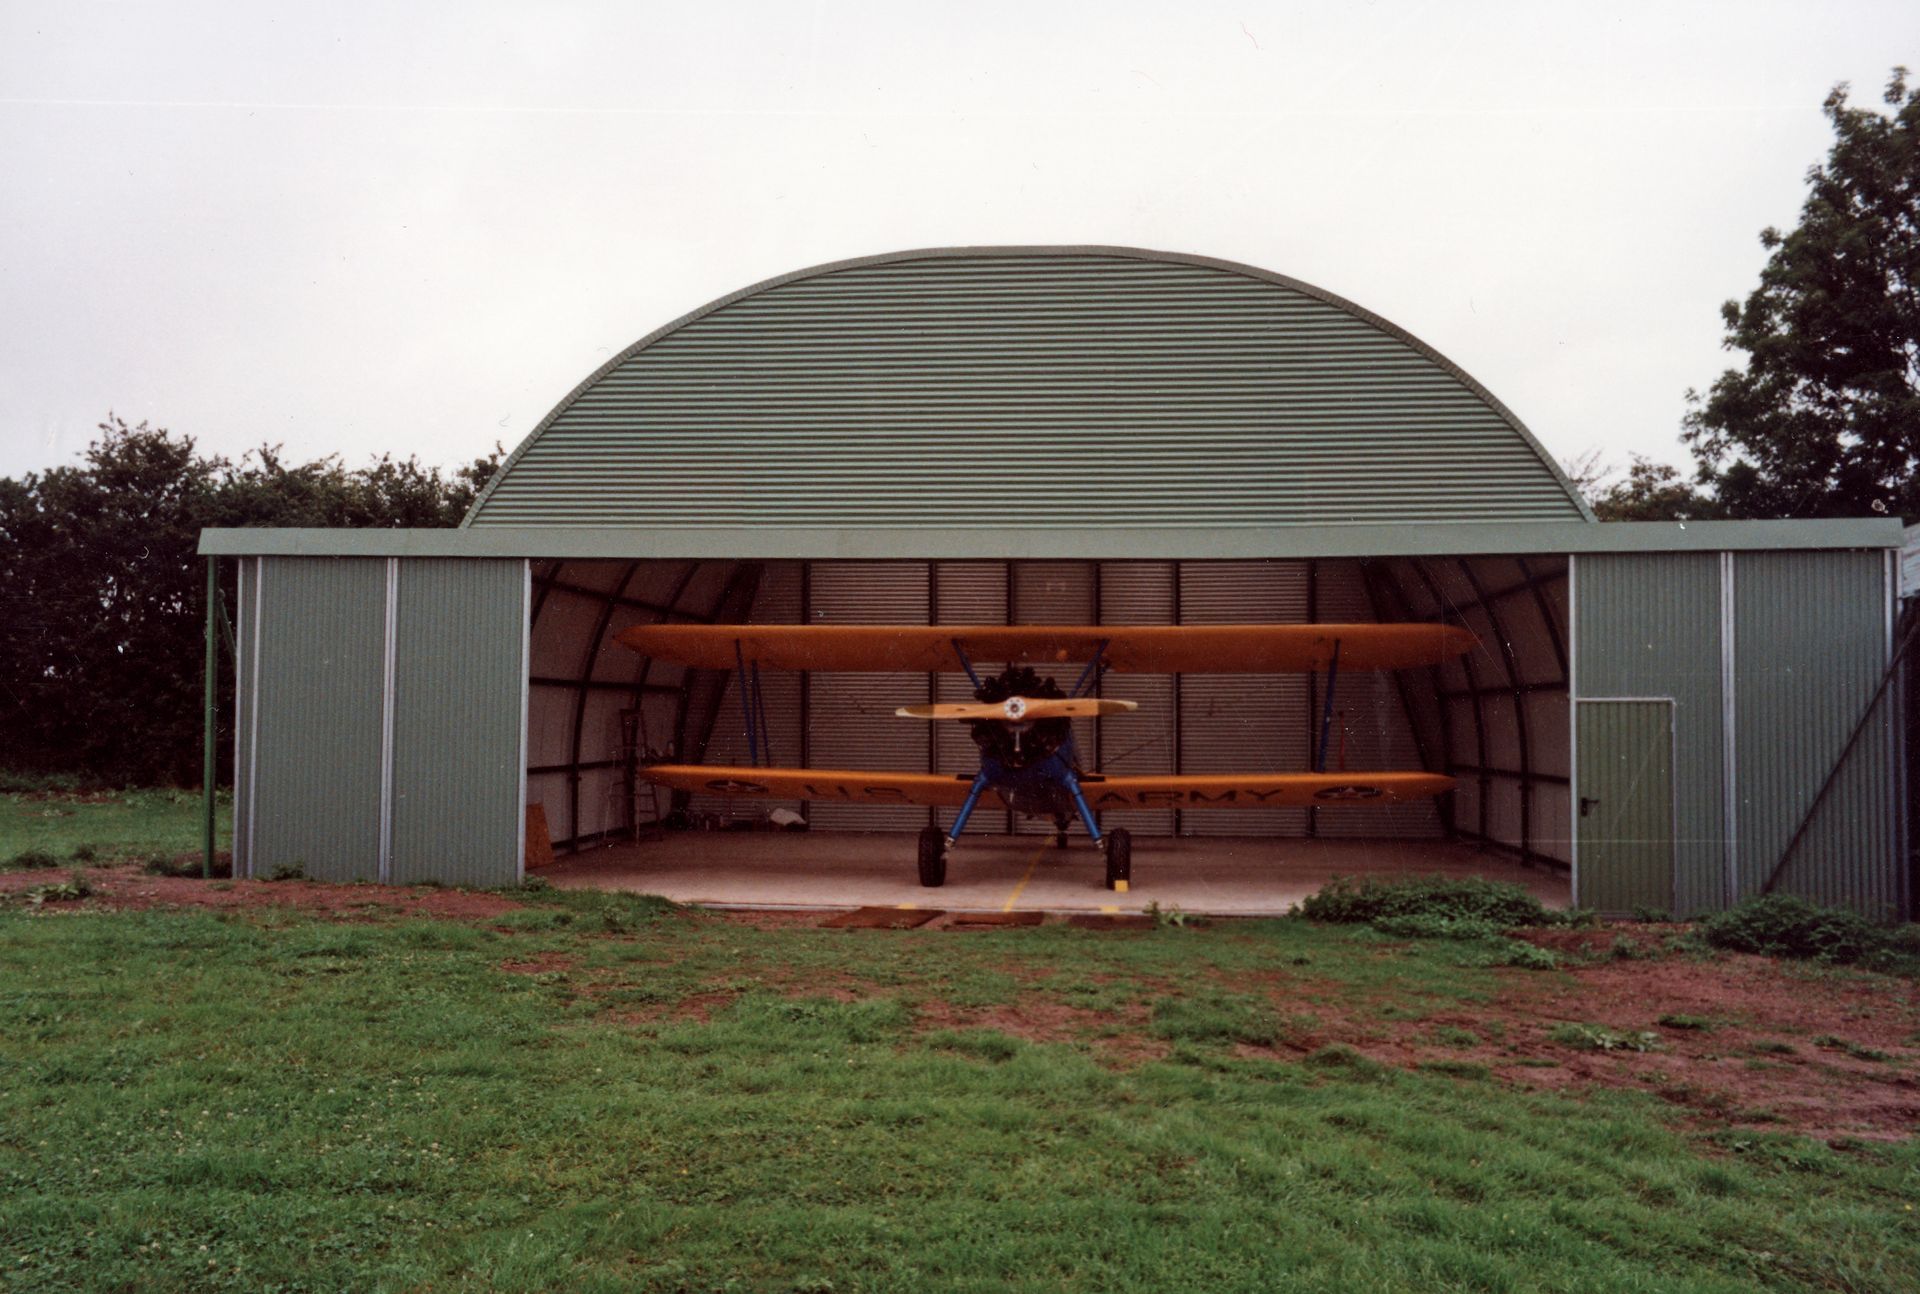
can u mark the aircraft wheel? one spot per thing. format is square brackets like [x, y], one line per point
[1119, 857]
[933, 857]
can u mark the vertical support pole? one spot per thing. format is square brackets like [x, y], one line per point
[1326, 712]
[745, 686]
[208, 757]
[760, 713]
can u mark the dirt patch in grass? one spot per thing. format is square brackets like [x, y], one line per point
[1732, 1039]
[543, 964]
[1119, 1035]
[131, 888]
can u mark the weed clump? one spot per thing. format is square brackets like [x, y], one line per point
[1780, 925]
[32, 860]
[171, 864]
[1593, 1037]
[1437, 902]
[75, 887]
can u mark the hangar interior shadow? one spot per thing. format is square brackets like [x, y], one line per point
[1496, 718]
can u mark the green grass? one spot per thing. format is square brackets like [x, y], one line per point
[256, 1100]
[117, 824]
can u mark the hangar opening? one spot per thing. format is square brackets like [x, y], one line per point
[1494, 718]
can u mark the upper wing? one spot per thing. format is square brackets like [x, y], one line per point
[812, 784]
[1261, 790]
[1151, 649]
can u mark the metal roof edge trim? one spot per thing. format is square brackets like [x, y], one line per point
[1089, 249]
[1117, 542]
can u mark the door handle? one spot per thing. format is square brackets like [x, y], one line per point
[1586, 805]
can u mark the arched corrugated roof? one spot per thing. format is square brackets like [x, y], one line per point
[1029, 386]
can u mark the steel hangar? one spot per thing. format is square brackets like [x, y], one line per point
[1678, 716]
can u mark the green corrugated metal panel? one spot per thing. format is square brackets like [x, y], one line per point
[243, 634]
[1810, 643]
[314, 795]
[458, 695]
[1649, 626]
[1626, 792]
[1165, 390]
[1111, 542]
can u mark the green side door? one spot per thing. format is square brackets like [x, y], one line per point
[1625, 805]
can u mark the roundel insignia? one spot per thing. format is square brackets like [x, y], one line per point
[1347, 793]
[728, 786]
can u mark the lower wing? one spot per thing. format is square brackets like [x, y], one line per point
[1260, 790]
[812, 784]
[1221, 791]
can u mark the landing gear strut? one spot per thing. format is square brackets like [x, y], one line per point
[1060, 833]
[1119, 858]
[933, 857]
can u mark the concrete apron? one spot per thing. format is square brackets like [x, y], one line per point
[833, 870]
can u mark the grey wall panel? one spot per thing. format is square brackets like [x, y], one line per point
[1143, 742]
[457, 689]
[1243, 723]
[786, 405]
[1810, 644]
[851, 720]
[315, 802]
[1649, 626]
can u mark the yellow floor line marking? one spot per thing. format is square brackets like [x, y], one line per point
[1032, 863]
[1108, 907]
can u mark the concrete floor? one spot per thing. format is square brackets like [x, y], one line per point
[1216, 877]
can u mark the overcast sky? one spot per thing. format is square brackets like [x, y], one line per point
[363, 227]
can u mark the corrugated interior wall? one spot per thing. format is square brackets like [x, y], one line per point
[1498, 714]
[1193, 723]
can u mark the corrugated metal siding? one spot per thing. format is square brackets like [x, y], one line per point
[458, 676]
[1243, 723]
[851, 716]
[243, 708]
[1649, 626]
[1810, 643]
[315, 796]
[1160, 390]
[1141, 743]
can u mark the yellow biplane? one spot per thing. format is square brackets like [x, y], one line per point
[1022, 721]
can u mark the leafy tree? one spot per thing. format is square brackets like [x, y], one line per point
[1824, 420]
[1649, 491]
[105, 595]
